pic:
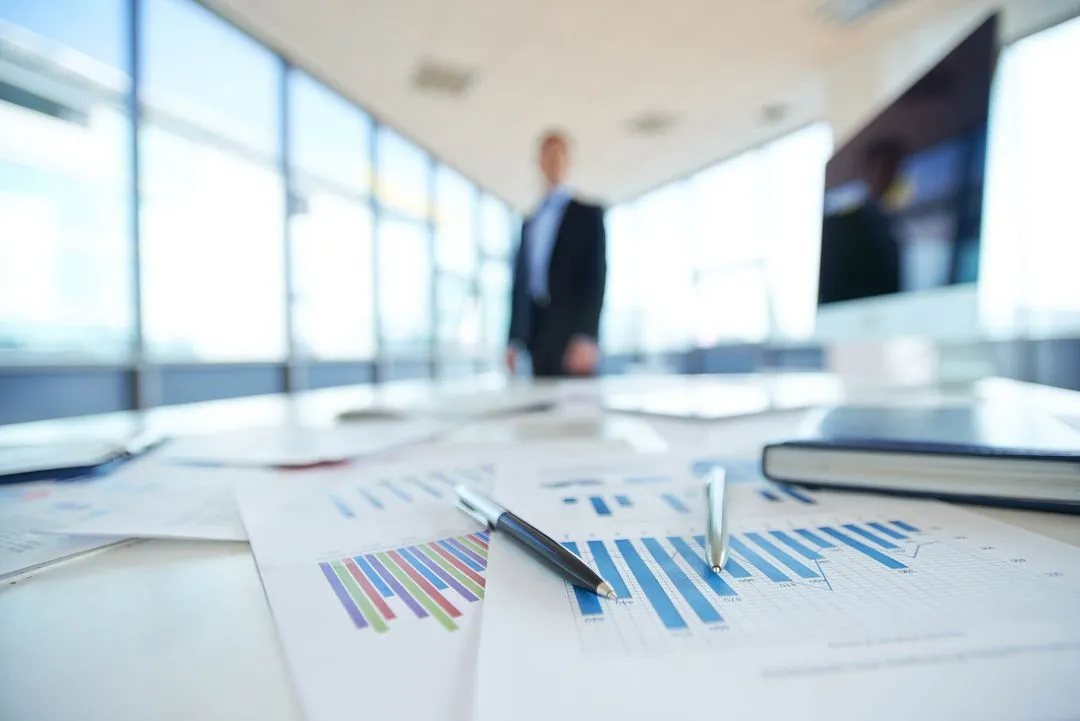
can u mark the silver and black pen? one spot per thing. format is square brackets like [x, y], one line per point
[541, 545]
[716, 535]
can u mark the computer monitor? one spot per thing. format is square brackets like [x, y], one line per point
[903, 207]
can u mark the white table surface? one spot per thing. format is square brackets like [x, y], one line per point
[181, 630]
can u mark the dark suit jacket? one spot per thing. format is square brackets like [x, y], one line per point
[577, 275]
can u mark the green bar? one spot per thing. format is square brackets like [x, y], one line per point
[418, 593]
[473, 546]
[358, 595]
[461, 577]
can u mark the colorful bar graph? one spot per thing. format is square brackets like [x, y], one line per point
[654, 592]
[435, 610]
[481, 539]
[358, 597]
[861, 547]
[458, 574]
[399, 590]
[341, 506]
[769, 495]
[606, 567]
[871, 537]
[905, 526]
[798, 495]
[462, 585]
[882, 528]
[473, 545]
[375, 578]
[799, 548]
[771, 572]
[682, 583]
[731, 566]
[673, 501]
[600, 506]
[472, 555]
[588, 602]
[456, 562]
[701, 567]
[814, 539]
[624, 501]
[783, 556]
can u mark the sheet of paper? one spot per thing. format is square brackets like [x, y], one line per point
[153, 499]
[375, 582]
[22, 551]
[284, 446]
[837, 606]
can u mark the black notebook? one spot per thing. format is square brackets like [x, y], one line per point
[983, 453]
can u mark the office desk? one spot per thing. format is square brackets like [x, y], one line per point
[181, 630]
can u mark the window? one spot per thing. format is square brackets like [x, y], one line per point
[727, 206]
[403, 172]
[623, 305]
[199, 69]
[665, 251]
[66, 260]
[404, 289]
[329, 138]
[732, 306]
[333, 294]
[496, 227]
[213, 253]
[455, 226]
[495, 291]
[459, 316]
[1031, 248]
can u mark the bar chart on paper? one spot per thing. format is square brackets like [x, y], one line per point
[349, 501]
[623, 504]
[428, 581]
[830, 580]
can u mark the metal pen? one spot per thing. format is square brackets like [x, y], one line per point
[539, 544]
[716, 536]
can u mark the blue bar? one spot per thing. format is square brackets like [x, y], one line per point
[343, 509]
[703, 570]
[431, 491]
[588, 602]
[607, 569]
[785, 558]
[424, 570]
[600, 506]
[663, 606]
[770, 571]
[642, 480]
[731, 565]
[396, 491]
[440, 476]
[797, 495]
[814, 539]
[483, 534]
[370, 498]
[769, 495]
[861, 547]
[796, 546]
[675, 503]
[376, 579]
[623, 501]
[461, 556]
[887, 531]
[870, 536]
[569, 500]
[686, 588]
[905, 526]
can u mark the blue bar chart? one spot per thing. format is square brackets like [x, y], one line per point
[665, 589]
[614, 505]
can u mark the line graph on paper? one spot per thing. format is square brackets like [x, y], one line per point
[817, 579]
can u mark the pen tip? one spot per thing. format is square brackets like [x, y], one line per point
[605, 589]
[716, 569]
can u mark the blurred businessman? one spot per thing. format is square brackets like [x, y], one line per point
[559, 276]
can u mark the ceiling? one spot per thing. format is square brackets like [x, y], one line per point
[587, 66]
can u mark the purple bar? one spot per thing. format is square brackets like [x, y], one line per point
[399, 590]
[343, 596]
[446, 577]
[471, 554]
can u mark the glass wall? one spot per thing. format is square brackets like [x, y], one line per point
[225, 209]
[728, 255]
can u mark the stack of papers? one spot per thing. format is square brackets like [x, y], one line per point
[831, 605]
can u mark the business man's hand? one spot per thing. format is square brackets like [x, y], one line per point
[582, 357]
[511, 359]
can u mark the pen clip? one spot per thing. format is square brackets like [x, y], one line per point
[476, 514]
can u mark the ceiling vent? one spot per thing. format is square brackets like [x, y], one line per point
[444, 79]
[849, 12]
[651, 123]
